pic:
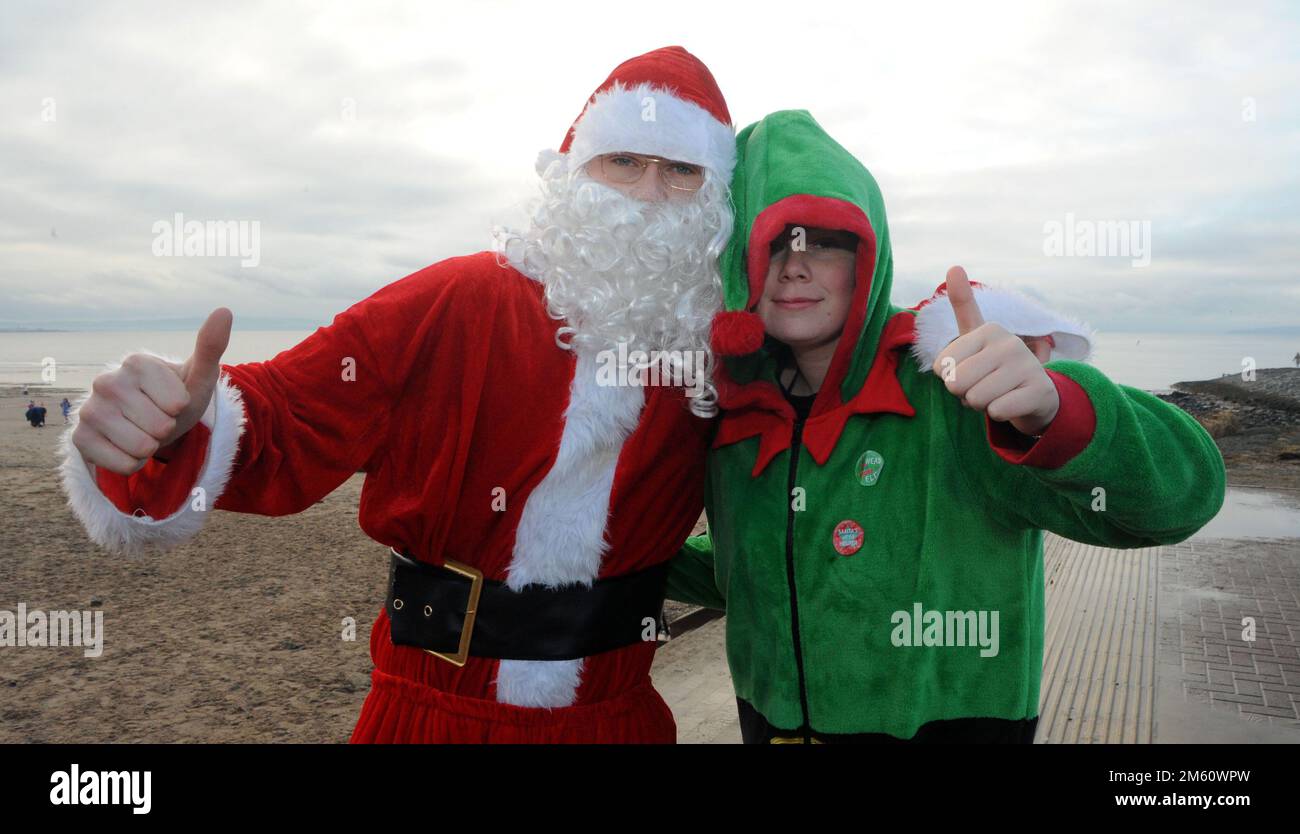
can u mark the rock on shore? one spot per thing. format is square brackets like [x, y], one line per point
[1255, 422]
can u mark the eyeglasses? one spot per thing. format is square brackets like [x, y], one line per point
[815, 244]
[627, 168]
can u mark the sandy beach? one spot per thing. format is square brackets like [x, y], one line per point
[237, 636]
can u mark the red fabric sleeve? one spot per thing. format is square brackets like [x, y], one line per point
[1067, 436]
[159, 489]
[313, 416]
[316, 414]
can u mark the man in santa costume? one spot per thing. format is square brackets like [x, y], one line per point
[531, 510]
[505, 478]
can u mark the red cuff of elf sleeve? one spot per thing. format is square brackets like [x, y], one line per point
[1067, 436]
[159, 489]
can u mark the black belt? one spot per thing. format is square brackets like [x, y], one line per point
[453, 612]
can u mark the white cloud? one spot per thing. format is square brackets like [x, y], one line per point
[981, 122]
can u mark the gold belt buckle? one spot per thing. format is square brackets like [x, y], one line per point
[471, 609]
[791, 740]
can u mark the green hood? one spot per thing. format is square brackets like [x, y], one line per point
[789, 171]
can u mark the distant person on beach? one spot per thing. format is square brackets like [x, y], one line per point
[67, 408]
[36, 415]
[1297, 360]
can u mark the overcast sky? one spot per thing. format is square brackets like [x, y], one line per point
[371, 139]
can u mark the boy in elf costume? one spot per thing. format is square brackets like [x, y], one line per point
[878, 545]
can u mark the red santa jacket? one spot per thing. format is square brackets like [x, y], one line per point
[478, 442]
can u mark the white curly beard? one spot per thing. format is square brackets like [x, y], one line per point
[623, 271]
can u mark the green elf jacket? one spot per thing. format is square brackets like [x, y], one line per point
[881, 563]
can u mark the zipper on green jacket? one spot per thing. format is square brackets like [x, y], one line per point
[795, 446]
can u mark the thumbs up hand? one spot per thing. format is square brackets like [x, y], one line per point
[994, 371]
[149, 403]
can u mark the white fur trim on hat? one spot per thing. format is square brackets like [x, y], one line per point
[545, 159]
[650, 120]
[119, 532]
[936, 325]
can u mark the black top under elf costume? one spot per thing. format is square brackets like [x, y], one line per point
[881, 562]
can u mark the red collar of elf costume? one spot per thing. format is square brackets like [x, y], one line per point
[758, 409]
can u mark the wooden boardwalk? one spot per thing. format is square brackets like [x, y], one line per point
[1099, 651]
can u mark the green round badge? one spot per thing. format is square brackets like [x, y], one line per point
[869, 466]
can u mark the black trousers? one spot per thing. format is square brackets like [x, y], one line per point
[755, 729]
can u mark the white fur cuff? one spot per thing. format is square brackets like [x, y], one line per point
[936, 325]
[119, 532]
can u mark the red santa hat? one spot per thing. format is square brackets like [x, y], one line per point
[663, 103]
